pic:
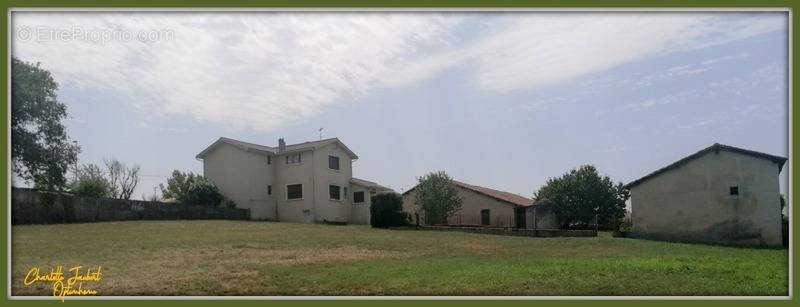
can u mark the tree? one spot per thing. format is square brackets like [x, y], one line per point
[178, 185]
[123, 180]
[437, 197]
[191, 189]
[90, 182]
[581, 195]
[203, 192]
[386, 210]
[41, 152]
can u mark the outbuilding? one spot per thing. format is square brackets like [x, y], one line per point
[721, 194]
[487, 207]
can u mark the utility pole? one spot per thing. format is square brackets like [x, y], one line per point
[320, 133]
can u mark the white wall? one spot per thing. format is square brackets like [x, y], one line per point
[359, 212]
[328, 209]
[243, 177]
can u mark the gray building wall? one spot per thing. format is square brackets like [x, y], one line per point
[693, 202]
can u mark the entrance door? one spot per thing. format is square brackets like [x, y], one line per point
[485, 217]
[519, 217]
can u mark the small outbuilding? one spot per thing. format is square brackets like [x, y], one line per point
[721, 194]
[486, 207]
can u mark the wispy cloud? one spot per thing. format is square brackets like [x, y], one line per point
[263, 70]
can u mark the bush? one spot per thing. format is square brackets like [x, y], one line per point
[192, 189]
[387, 211]
[203, 192]
[90, 182]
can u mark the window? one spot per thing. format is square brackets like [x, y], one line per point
[269, 190]
[358, 197]
[334, 192]
[734, 190]
[294, 191]
[293, 159]
[485, 217]
[269, 159]
[333, 162]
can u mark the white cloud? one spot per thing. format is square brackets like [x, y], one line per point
[263, 70]
[536, 50]
[254, 71]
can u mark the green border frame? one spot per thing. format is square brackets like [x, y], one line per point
[387, 4]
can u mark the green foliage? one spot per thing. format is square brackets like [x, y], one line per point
[178, 185]
[386, 210]
[191, 189]
[230, 204]
[41, 152]
[204, 192]
[90, 182]
[581, 195]
[437, 197]
[626, 225]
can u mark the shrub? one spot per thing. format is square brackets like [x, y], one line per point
[203, 192]
[230, 204]
[387, 211]
[90, 182]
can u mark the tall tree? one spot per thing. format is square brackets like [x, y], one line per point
[178, 186]
[41, 152]
[437, 197]
[123, 179]
[581, 195]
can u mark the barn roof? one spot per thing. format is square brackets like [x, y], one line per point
[507, 197]
[715, 148]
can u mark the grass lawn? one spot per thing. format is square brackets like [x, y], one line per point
[263, 258]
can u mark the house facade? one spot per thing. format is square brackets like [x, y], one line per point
[481, 206]
[721, 194]
[310, 182]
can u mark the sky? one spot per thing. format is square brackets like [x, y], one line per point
[504, 100]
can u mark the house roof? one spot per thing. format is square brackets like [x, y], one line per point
[274, 150]
[369, 184]
[507, 197]
[715, 148]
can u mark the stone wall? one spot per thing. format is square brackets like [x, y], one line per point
[29, 206]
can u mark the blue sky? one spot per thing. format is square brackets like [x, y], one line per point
[504, 100]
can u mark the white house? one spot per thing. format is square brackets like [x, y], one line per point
[307, 182]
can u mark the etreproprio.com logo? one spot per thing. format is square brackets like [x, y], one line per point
[96, 36]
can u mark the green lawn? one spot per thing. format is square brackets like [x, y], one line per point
[262, 258]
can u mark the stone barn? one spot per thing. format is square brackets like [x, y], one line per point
[721, 195]
[487, 207]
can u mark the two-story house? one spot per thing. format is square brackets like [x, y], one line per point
[307, 182]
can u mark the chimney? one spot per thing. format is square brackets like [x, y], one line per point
[281, 144]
